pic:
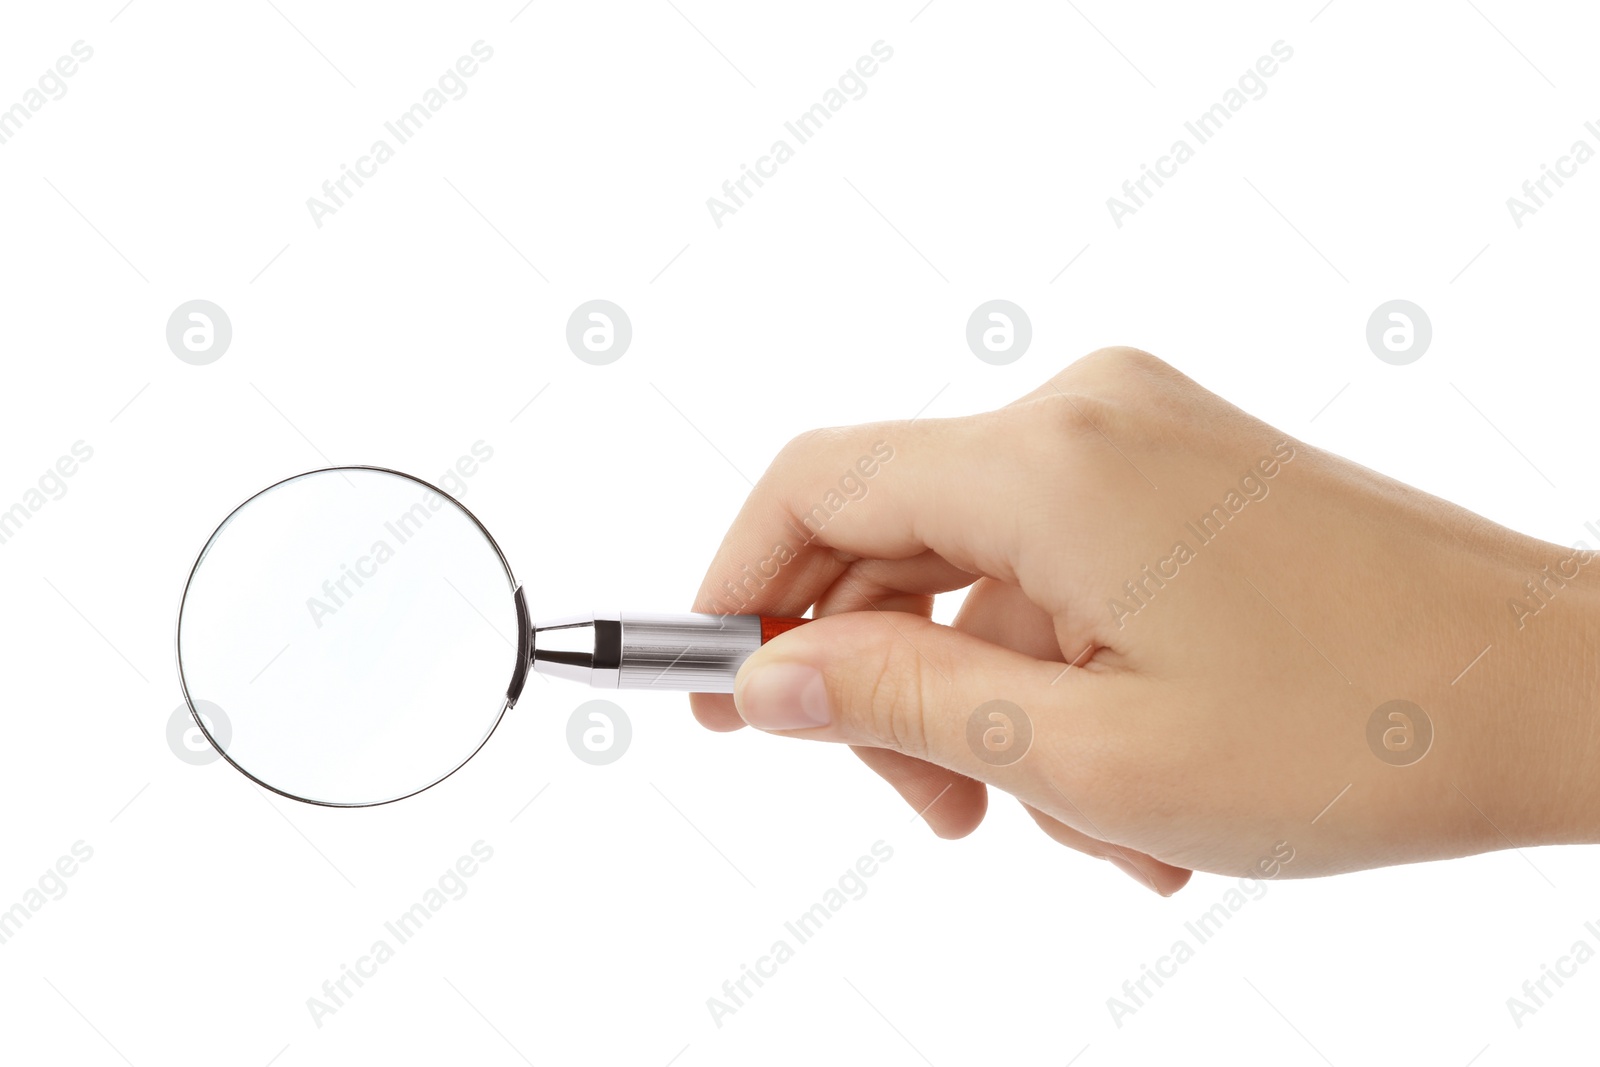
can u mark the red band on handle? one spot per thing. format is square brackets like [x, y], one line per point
[772, 626]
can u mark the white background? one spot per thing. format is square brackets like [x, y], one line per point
[426, 314]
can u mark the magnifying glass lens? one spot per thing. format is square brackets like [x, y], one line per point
[358, 630]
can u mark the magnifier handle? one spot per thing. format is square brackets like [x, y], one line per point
[640, 650]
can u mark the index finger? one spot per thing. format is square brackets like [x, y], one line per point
[883, 491]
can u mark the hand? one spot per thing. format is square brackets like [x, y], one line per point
[1195, 616]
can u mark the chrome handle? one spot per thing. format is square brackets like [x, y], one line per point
[642, 650]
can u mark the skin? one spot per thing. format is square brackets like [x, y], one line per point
[1216, 727]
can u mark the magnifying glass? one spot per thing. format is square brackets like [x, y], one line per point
[364, 636]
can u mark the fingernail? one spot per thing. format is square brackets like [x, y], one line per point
[1133, 872]
[784, 696]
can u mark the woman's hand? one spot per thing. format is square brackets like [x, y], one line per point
[1183, 637]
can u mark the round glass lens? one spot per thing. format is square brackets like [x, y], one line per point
[358, 629]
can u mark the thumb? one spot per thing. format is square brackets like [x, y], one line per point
[902, 682]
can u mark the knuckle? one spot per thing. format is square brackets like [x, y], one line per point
[1072, 415]
[1121, 362]
[1079, 415]
[805, 452]
[796, 449]
[1111, 397]
[810, 443]
[896, 707]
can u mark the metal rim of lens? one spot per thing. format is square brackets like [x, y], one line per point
[183, 682]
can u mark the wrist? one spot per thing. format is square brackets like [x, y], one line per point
[1550, 697]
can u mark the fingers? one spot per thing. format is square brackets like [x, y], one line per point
[715, 711]
[892, 585]
[886, 491]
[923, 507]
[903, 691]
[1160, 877]
[888, 680]
[951, 804]
[904, 585]
[1003, 615]
[968, 491]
